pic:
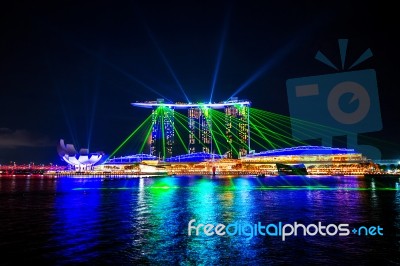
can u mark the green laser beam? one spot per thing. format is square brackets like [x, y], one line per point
[130, 136]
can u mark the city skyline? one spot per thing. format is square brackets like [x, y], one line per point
[70, 70]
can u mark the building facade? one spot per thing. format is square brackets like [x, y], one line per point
[162, 134]
[200, 136]
[199, 124]
[237, 129]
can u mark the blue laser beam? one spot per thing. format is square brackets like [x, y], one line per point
[94, 104]
[266, 66]
[168, 65]
[220, 52]
[300, 36]
[71, 129]
[123, 72]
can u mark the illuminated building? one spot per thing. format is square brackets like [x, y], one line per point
[229, 133]
[130, 159]
[195, 157]
[200, 137]
[162, 135]
[80, 161]
[317, 159]
[237, 128]
[138, 164]
[199, 125]
[306, 155]
[310, 160]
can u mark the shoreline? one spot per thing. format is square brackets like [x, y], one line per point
[144, 175]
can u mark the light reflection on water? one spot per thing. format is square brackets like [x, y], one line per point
[144, 220]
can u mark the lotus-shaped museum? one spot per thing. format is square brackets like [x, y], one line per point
[82, 160]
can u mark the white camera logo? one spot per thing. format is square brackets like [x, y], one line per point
[342, 103]
[359, 93]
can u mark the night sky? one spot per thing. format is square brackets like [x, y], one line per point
[70, 69]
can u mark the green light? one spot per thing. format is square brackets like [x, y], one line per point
[186, 128]
[280, 122]
[210, 123]
[163, 187]
[162, 130]
[252, 125]
[131, 135]
[228, 141]
[179, 136]
[237, 129]
[146, 137]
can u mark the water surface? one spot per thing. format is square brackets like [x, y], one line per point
[145, 220]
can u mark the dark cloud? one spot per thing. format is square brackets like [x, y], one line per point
[22, 138]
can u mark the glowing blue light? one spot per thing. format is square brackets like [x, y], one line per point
[136, 158]
[166, 62]
[222, 105]
[303, 150]
[281, 53]
[120, 70]
[194, 157]
[220, 52]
